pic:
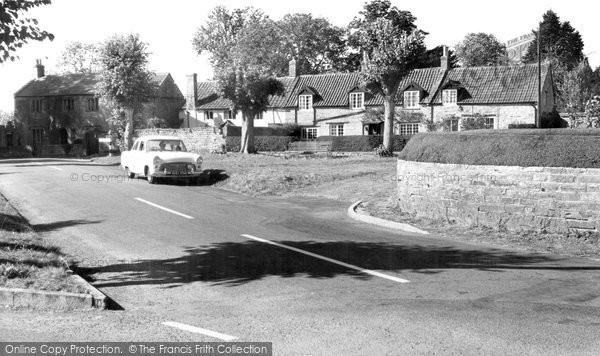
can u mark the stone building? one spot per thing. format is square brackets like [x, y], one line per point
[335, 104]
[54, 111]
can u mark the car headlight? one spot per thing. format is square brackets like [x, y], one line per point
[199, 162]
[156, 161]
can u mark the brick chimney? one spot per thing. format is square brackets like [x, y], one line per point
[293, 70]
[191, 91]
[445, 58]
[41, 71]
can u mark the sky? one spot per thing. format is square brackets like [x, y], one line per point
[168, 27]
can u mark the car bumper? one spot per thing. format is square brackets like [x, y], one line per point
[176, 176]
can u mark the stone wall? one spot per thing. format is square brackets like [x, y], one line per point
[196, 139]
[547, 199]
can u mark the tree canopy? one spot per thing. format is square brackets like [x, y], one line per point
[315, 44]
[126, 82]
[559, 42]
[79, 57]
[241, 43]
[480, 49]
[17, 29]
[391, 46]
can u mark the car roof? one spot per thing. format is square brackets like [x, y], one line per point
[156, 137]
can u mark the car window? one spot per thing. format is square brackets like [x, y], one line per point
[141, 145]
[135, 146]
[166, 145]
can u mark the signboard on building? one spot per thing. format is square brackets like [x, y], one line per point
[517, 47]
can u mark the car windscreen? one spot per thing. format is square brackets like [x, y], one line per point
[165, 145]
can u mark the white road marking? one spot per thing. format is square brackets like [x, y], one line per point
[58, 169]
[367, 271]
[163, 208]
[200, 331]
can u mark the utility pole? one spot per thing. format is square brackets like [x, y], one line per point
[538, 118]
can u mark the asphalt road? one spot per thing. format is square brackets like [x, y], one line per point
[204, 257]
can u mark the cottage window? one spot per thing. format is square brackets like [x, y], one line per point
[208, 115]
[229, 115]
[409, 129]
[68, 104]
[411, 99]
[488, 122]
[449, 96]
[9, 139]
[92, 104]
[357, 101]
[309, 133]
[36, 105]
[336, 130]
[453, 124]
[305, 102]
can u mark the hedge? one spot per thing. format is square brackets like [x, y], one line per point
[261, 143]
[362, 143]
[525, 147]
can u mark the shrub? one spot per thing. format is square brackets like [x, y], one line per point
[261, 143]
[382, 151]
[362, 143]
[526, 147]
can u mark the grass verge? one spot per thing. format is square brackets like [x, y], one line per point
[27, 261]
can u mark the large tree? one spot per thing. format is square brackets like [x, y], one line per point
[315, 44]
[390, 54]
[16, 28]
[575, 87]
[79, 57]
[240, 43]
[480, 50]
[392, 46]
[126, 80]
[376, 9]
[559, 42]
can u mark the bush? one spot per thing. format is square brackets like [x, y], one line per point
[362, 143]
[381, 151]
[261, 143]
[526, 147]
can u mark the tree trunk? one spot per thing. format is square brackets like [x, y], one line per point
[388, 124]
[247, 139]
[129, 128]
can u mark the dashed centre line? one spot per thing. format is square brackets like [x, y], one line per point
[198, 330]
[356, 268]
[163, 208]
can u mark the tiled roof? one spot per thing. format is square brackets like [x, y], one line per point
[427, 78]
[496, 85]
[208, 98]
[482, 85]
[68, 84]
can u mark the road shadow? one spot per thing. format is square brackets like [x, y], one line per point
[234, 264]
[58, 225]
[17, 223]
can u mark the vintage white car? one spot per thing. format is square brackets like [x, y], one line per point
[157, 157]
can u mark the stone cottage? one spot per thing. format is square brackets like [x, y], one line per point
[57, 110]
[335, 104]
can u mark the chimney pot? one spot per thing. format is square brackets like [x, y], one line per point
[41, 71]
[192, 91]
[445, 58]
[293, 70]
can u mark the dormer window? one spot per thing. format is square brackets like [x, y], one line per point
[357, 101]
[411, 99]
[449, 96]
[305, 102]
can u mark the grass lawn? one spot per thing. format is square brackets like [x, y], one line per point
[28, 261]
